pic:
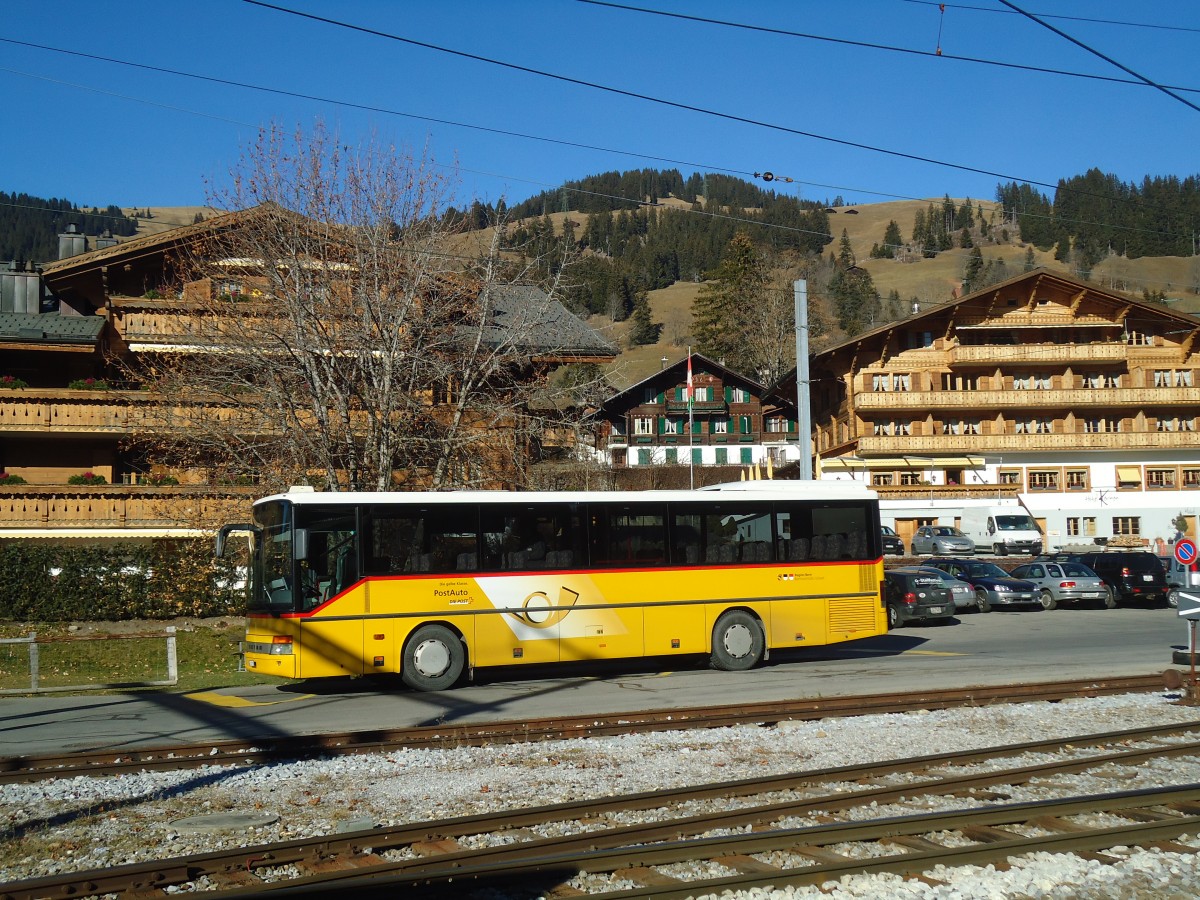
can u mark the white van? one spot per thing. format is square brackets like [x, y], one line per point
[1001, 530]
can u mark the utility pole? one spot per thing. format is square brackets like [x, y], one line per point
[803, 402]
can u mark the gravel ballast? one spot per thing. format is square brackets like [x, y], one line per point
[82, 823]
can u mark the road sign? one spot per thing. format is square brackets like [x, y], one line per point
[1189, 605]
[1185, 551]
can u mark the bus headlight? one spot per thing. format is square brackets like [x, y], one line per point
[281, 645]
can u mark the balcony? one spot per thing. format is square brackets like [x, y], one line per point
[946, 491]
[1037, 354]
[928, 445]
[130, 507]
[1075, 398]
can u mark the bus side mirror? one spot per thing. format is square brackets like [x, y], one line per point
[300, 544]
[223, 535]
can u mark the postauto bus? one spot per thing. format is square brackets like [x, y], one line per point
[430, 586]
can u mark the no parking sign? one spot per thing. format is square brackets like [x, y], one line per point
[1185, 551]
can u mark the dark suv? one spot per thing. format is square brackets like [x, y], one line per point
[1133, 576]
[916, 596]
[891, 541]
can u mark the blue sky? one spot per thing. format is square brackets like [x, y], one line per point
[99, 132]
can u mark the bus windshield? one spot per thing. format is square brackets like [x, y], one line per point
[271, 570]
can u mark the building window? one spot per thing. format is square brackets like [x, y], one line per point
[1101, 425]
[744, 424]
[777, 425]
[1160, 479]
[902, 382]
[1041, 382]
[1077, 479]
[1034, 426]
[747, 456]
[1127, 526]
[882, 479]
[1043, 480]
[643, 456]
[1022, 382]
[697, 456]
[1137, 339]
[1081, 527]
[1191, 478]
[672, 455]
[649, 395]
[880, 383]
[1167, 425]
[722, 456]
[672, 426]
[951, 428]
[643, 425]
[1011, 476]
[739, 395]
[910, 478]
[720, 426]
[1129, 478]
[952, 382]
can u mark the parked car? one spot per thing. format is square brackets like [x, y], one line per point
[940, 540]
[962, 592]
[1066, 582]
[993, 586]
[1133, 576]
[891, 541]
[1177, 580]
[916, 596]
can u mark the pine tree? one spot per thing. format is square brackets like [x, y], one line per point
[644, 331]
[971, 276]
[719, 313]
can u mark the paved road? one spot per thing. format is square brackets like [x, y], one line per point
[997, 648]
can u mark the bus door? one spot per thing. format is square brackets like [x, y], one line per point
[331, 637]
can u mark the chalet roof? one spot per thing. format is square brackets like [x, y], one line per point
[147, 244]
[1027, 281]
[526, 317]
[50, 328]
[676, 373]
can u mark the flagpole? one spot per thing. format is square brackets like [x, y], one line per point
[691, 425]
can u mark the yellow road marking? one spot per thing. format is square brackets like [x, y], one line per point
[235, 702]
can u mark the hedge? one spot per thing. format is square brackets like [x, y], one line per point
[45, 582]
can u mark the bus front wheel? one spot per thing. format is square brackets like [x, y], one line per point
[737, 642]
[433, 659]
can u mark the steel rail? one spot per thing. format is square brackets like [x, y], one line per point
[546, 873]
[273, 749]
[158, 874]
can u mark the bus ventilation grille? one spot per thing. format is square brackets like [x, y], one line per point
[855, 614]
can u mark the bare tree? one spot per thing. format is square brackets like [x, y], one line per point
[338, 338]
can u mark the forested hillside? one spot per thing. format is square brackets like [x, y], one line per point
[29, 226]
[616, 243]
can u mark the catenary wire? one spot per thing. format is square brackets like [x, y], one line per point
[504, 132]
[873, 46]
[1090, 19]
[1108, 59]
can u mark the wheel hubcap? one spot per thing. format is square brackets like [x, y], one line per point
[738, 641]
[431, 658]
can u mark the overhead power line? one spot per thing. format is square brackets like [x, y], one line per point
[1091, 19]
[1107, 59]
[873, 46]
[650, 98]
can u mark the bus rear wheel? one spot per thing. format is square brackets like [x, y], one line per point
[737, 642]
[433, 659]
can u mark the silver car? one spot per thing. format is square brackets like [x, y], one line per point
[1066, 582]
[941, 540]
[963, 593]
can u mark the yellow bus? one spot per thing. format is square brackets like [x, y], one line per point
[431, 586]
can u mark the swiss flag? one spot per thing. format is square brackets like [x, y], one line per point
[688, 391]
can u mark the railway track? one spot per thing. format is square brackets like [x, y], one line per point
[783, 829]
[274, 749]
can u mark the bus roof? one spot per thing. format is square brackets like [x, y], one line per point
[757, 490]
